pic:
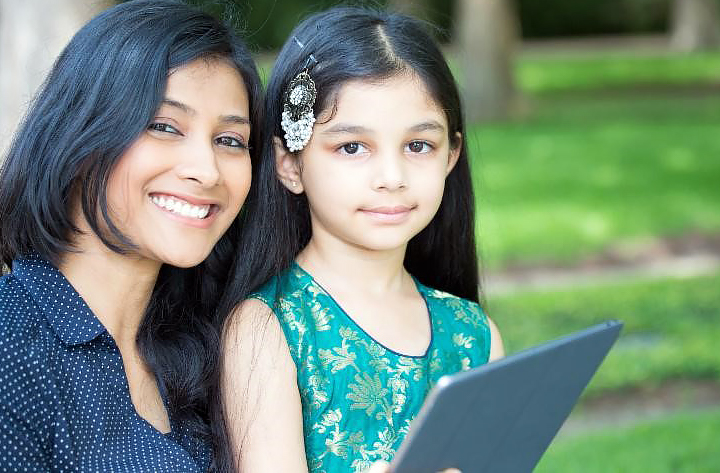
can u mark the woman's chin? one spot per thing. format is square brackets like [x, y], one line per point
[185, 260]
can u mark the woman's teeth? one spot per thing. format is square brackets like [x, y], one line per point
[181, 207]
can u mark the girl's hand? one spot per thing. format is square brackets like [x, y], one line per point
[384, 467]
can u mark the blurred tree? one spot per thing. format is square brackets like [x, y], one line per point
[410, 7]
[488, 35]
[695, 25]
[32, 33]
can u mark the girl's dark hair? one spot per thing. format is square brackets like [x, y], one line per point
[101, 94]
[350, 43]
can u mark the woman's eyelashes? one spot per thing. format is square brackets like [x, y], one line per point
[231, 142]
[163, 127]
[227, 141]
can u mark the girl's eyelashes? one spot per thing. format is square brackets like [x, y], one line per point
[164, 128]
[352, 148]
[231, 142]
[418, 147]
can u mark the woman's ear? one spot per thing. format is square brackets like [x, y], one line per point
[287, 166]
[454, 155]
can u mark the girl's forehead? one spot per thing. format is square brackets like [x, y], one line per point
[398, 95]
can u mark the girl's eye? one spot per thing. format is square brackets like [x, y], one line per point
[163, 127]
[352, 148]
[230, 141]
[419, 147]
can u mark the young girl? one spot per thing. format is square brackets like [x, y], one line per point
[118, 205]
[367, 189]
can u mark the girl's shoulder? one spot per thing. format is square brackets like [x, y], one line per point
[287, 285]
[444, 305]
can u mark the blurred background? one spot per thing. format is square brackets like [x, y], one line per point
[595, 146]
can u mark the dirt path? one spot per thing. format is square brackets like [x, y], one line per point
[681, 257]
[625, 409]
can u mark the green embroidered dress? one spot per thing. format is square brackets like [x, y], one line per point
[359, 397]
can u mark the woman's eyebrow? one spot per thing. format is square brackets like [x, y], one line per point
[174, 103]
[226, 119]
[234, 119]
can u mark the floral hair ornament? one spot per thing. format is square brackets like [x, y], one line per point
[297, 116]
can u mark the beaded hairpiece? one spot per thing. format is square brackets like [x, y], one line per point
[297, 116]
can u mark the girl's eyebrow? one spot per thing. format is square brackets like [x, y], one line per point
[430, 125]
[346, 128]
[228, 119]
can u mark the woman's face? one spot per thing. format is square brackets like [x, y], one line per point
[180, 185]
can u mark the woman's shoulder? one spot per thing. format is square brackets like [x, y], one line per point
[22, 349]
[19, 315]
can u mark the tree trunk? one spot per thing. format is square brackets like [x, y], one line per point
[695, 25]
[415, 8]
[32, 34]
[488, 36]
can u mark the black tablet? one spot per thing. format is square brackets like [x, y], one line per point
[501, 417]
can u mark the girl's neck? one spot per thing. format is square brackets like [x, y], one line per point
[116, 287]
[350, 268]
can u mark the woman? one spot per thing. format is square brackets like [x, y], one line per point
[118, 205]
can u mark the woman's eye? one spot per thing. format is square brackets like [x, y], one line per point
[164, 128]
[419, 147]
[351, 148]
[230, 142]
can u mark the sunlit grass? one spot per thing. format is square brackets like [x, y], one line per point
[671, 327]
[560, 73]
[584, 172]
[682, 443]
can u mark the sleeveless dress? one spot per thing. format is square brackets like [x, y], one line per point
[358, 396]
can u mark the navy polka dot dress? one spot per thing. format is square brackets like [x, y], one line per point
[64, 399]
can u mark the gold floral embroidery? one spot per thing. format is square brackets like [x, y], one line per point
[359, 398]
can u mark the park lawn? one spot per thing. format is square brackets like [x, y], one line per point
[609, 148]
[583, 172]
[685, 442]
[671, 327]
[587, 70]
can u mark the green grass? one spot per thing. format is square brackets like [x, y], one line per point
[584, 171]
[672, 327]
[560, 73]
[683, 443]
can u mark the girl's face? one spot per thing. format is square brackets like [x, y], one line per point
[374, 170]
[181, 184]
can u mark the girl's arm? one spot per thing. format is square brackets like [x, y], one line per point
[261, 397]
[497, 350]
[260, 393]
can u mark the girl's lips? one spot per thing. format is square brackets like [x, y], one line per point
[394, 214]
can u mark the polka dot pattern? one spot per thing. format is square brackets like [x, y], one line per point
[64, 399]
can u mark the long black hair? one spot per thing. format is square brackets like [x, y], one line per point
[350, 43]
[101, 94]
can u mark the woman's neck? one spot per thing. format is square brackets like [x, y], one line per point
[116, 287]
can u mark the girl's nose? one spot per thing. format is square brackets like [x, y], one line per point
[390, 172]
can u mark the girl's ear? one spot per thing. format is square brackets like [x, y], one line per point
[454, 155]
[287, 166]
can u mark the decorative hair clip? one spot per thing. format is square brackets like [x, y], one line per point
[297, 116]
